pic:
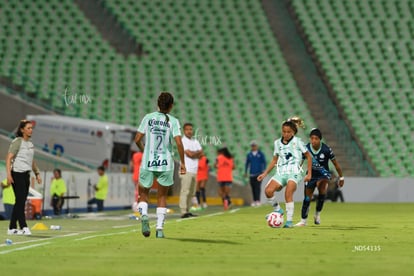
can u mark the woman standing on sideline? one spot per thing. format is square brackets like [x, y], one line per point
[287, 159]
[225, 167]
[159, 129]
[19, 164]
[256, 164]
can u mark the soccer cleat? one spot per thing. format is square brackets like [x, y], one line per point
[145, 228]
[317, 219]
[159, 234]
[288, 224]
[300, 224]
[26, 231]
[280, 211]
[188, 215]
[196, 209]
[14, 232]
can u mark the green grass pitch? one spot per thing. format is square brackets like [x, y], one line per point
[353, 239]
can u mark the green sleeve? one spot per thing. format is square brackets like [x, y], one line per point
[15, 146]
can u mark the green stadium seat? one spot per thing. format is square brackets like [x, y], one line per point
[199, 61]
[369, 38]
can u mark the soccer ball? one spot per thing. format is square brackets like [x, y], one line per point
[274, 219]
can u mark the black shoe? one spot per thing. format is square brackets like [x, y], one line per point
[188, 215]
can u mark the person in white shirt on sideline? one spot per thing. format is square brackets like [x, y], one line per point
[192, 152]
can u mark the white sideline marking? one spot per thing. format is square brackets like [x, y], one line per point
[183, 219]
[214, 214]
[45, 239]
[209, 215]
[123, 226]
[152, 225]
[103, 235]
[68, 235]
[23, 248]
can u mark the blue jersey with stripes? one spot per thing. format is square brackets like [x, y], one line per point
[320, 160]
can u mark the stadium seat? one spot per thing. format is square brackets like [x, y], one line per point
[363, 52]
[202, 51]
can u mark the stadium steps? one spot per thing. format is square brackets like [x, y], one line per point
[363, 51]
[109, 27]
[313, 90]
[15, 106]
[16, 83]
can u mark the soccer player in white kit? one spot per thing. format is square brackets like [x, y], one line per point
[159, 129]
[287, 159]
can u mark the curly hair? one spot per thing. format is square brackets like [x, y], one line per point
[165, 101]
[294, 122]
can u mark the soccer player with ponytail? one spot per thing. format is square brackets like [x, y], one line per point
[159, 128]
[321, 154]
[287, 159]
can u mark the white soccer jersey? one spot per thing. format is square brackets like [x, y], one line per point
[159, 134]
[290, 155]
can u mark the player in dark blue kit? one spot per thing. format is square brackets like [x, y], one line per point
[321, 154]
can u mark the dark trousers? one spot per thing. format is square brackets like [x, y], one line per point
[98, 202]
[57, 203]
[8, 210]
[20, 186]
[256, 187]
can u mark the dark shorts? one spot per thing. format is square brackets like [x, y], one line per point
[225, 184]
[312, 183]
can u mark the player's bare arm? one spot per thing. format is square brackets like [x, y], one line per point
[138, 141]
[308, 176]
[9, 159]
[339, 170]
[180, 149]
[194, 154]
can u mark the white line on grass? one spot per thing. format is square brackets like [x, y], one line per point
[123, 226]
[234, 210]
[23, 248]
[191, 218]
[214, 214]
[184, 219]
[45, 239]
[103, 235]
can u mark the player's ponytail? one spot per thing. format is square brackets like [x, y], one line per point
[165, 101]
[294, 122]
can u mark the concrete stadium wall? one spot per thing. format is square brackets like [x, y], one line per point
[14, 108]
[121, 189]
[120, 193]
[366, 189]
